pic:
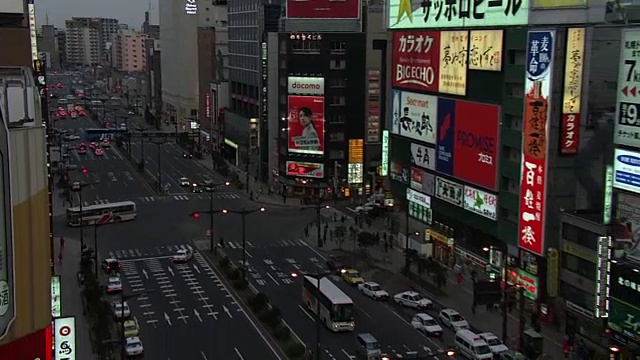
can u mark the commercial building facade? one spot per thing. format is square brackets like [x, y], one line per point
[129, 51]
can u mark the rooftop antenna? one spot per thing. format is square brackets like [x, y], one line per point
[47, 18]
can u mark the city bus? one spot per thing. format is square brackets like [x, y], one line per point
[96, 134]
[336, 308]
[101, 214]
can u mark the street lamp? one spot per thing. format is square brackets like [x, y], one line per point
[318, 277]
[124, 298]
[141, 130]
[128, 133]
[211, 212]
[159, 143]
[505, 299]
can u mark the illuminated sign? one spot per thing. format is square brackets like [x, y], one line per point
[419, 206]
[626, 170]
[305, 85]
[553, 265]
[418, 198]
[305, 169]
[207, 105]
[537, 108]
[356, 150]
[56, 301]
[384, 168]
[449, 191]
[355, 173]
[608, 195]
[571, 100]
[555, 4]
[603, 276]
[423, 156]
[627, 124]
[530, 284]
[485, 50]
[33, 34]
[191, 7]
[415, 116]
[480, 202]
[64, 338]
[454, 53]
[423, 181]
[437, 14]
[415, 60]
[373, 117]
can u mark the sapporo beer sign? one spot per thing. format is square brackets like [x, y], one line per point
[627, 126]
[415, 60]
[540, 46]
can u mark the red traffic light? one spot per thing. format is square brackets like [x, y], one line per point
[84, 170]
[195, 215]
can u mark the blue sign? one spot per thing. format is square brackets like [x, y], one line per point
[539, 54]
[626, 168]
[446, 134]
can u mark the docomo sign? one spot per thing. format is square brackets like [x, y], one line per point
[418, 198]
[415, 60]
[305, 85]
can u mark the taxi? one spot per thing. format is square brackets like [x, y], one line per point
[131, 327]
[352, 277]
[98, 152]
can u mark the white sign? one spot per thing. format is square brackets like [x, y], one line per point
[627, 125]
[12, 6]
[191, 7]
[626, 170]
[418, 198]
[423, 156]
[608, 195]
[449, 191]
[305, 85]
[603, 276]
[480, 202]
[384, 166]
[56, 301]
[415, 116]
[65, 338]
[355, 173]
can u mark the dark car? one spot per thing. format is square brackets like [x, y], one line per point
[187, 155]
[195, 188]
[111, 265]
[334, 264]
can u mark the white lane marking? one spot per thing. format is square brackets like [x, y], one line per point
[347, 354]
[197, 314]
[167, 319]
[226, 309]
[306, 312]
[238, 353]
[204, 357]
[272, 278]
[312, 249]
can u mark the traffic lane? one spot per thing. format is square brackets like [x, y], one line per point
[175, 166]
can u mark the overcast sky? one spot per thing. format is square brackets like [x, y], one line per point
[130, 12]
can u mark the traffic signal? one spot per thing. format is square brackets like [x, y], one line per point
[196, 215]
[84, 170]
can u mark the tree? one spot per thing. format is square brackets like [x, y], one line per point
[340, 233]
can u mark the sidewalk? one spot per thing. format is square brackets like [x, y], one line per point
[458, 297]
[71, 295]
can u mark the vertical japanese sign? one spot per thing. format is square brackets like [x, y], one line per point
[454, 52]
[384, 166]
[64, 338]
[627, 125]
[373, 118]
[603, 276]
[540, 48]
[485, 50]
[572, 96]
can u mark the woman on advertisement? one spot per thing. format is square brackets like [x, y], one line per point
[309, 139]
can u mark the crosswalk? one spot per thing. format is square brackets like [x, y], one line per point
[137, 253]
[221, 195]
[205, 243]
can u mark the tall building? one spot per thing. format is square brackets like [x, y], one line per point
[249, 24]
[129, 51]
[190, 39]
[14, 34]
[87, 39]
[62, 47]
[48, 43]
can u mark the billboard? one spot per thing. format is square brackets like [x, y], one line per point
[485, 50]
[626, 226]
[623, 318]
[603, 276]
[449, 191]
[626, 170]
[419, 206]
[414, 116]
[627, 125]
[454, 53]
[572, 94]
[305, 169]
[12, 7]
[399, 173]
[423, 181]
[373, 125]
[481, 202]
[408, 14]
[468, 141]
[537, 107]
[64, 332]
[384, 163]
[306, 124]
[355, 173]
[423, 156]
[323, 9]
[554, 4]
[56, 300]
[415, 60]
[298, 85]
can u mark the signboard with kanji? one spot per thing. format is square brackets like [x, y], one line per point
[627, 125]
[537, 106]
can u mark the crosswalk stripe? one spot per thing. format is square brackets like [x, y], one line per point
[250, 244]
[232, 245]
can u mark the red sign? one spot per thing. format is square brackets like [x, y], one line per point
[306, 124]
[570, 134]
[476, 143]
[305, 169]
[207, 105]
[415, 60]
[323, 9]
[37, 345]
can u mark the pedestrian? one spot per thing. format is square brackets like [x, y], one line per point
[343, 219]
[386, 246]
[306, 231]
[384, 237]
[61, 242]
[331, 234]
[221, 242]
[60, 257]
[459, 278]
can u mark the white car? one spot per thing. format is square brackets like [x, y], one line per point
[412, 299]
[373, 290]
[133, 346]
[71, 137]
[118, 312]
[114, 285]
[495, 344]
[182, 255]
[426, 325]
[183, 181]
[453, 320]
[131, 112]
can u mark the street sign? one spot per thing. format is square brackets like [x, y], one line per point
[65, 338]
[627, 125]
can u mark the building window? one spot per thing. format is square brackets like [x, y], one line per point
[337, 101]
[577, 296]
[336, 154]
[508, 215]
[337, 83]
[283, 99]
[283, 81]
[283, 64]
[580, 236]
[338, 47]
[305, 47]
[336, 136]
[336, 119]
[283, 47]
[337, 64]
[580, 266]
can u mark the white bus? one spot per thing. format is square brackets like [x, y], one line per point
[102, 214]
[336, 308]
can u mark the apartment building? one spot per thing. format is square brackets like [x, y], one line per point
[129, 51]
[87, 39]
[61, 41]
[48, 43]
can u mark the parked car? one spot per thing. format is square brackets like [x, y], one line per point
[120, 312]
[412, 299]
[373, 290]
[131, 327]
[114, 285]
[453, 320]
[427, 325]
[111, 265]
[133, 346]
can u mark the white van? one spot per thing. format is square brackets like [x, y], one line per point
[472, 345]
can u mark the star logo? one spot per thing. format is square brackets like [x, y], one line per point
[404, 8]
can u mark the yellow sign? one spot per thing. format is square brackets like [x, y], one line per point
[356, 151]
[554, 4]
[553, 265]
[573, 65]
[485, 50]
[454, 52]
[581, 252]
[433, 235]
